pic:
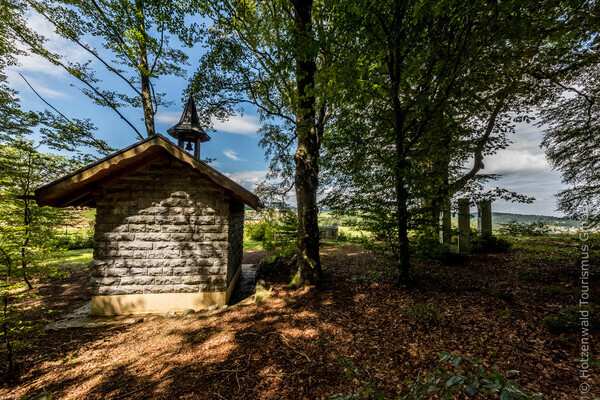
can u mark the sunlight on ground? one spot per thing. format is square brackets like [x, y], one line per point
[70, 257]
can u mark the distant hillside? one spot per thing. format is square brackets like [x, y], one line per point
[526, 219]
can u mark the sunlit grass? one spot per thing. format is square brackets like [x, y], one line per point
[252, 245]
[553, 247]
[61, 263]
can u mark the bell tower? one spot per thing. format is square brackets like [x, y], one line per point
[188, 132]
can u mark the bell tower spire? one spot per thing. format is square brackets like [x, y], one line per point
[188, 132]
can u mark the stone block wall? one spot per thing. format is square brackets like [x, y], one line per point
[163, 229]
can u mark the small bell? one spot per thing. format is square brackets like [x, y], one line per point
[188, 146]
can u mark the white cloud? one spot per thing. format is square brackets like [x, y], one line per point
[516, 162]
[40, 86]
[168, 117]
[47, 79]
[54, 43]
[238, 124]
[248, 179]
[232, 155]
[242, 125]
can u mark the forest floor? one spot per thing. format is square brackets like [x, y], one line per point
[354, 336]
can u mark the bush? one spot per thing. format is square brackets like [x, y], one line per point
[514, 228]
[422, 314]
[489, 243]
[260, 230]
[429, 248]
[527, 274]
[74, 241]
[458, 376]
[344, 237]
[568, 319]
[467, 377]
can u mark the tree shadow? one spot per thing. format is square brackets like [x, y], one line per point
[308, 343]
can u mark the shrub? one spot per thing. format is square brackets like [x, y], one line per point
[467, 377]
[514, 228]
[527, 274]
[74, 241]
[458, 376]
[554, 290]
[344, 237]
[429, 248]
[489, 243]
[259, 230]
[422, 314]
[568, 319]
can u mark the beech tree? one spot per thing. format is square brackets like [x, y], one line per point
[270, 55]
[570, 112]
[135, 49]
[428, 85]
[13, 120]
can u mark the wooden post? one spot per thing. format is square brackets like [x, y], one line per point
[464, 226]
[197, 148]
[484, 217]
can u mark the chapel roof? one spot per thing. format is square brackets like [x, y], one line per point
[84, 186]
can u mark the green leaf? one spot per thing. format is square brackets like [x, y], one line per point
[472, 387]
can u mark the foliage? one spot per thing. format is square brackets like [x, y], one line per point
[13, 120]
[570, 114]
[135, 50]
[424, 315]
[554, 290]
[467, 377]
[426, 89]
[13, 325]
[273, 55]
[568, 319]
[259, 231]
[458, 376]
[429, 248]
[366, 390]
[489, 243]
[345, 237]
[27, 228]
[20, 332]
[527, 274]
[73, 241]
[275, 228]
[514, 228]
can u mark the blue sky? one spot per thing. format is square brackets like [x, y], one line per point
[234, 144]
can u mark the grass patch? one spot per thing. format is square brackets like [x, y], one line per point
[552, 248]
[62, 263]
[568, 319]
[527, 274]
[422, 314]
[252, 245]
[554, 290]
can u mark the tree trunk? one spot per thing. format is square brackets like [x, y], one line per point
[307, 154]
[402, 221]
[27, 222]
[145, 71]
[402, 214]
[8, 265]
